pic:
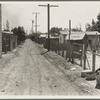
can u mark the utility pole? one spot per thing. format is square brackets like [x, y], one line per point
[69, 40]
[32, 26]
[48, 7]
[36, 21]
[0, 32]
[48, 27]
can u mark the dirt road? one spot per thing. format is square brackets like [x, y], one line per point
[31, 71]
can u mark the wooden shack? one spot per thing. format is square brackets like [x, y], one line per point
[93, 39]
[62, 36]
[9, 41]
[77, 39]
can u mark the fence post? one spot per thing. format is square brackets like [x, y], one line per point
[58, 48]
[84, 53]
[63, 50]
[93, 61]
[66, 51]
[55, 44]
[72, 55]
[6, 48]
[81, 57]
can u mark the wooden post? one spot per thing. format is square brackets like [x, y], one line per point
[81, 58]
[0, 33]
[69, 40]
[96, 42]
[84, 53]
[16, 40]
[48, 7]
[55, 47]
[66, 50]
[6, 46]
[93, 61]
[81, 63]
[32, 26]
[58, 49]
[63, 50]
[72, 54]
[11, 45]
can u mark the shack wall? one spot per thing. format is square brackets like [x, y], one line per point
[93, 41]
[9, 42]
[0, 34]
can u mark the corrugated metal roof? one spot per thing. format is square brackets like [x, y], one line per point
[7, 32]
[53, 37]
[64, 32]
[92, 33]
[43, 35]
[75, 36]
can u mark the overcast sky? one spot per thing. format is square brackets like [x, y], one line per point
[78, 12]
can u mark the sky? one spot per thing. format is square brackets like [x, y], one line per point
[21, 14]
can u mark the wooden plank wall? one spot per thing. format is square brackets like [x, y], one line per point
[0, 34]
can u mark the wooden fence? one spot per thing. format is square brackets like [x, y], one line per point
[76, 51]
[94, 56]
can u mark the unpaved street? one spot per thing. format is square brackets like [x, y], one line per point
[30, 71]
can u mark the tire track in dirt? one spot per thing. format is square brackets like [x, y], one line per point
[36, 66]
[40, 75]
[54, 81]
[6, 74]
[10, 81]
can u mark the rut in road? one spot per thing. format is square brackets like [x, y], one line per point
[30, 73]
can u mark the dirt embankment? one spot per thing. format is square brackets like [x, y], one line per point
[71, 71]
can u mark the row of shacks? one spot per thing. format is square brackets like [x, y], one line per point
[75, 47]
[9, 41]
[91, 39]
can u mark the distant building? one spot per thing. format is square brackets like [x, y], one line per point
[63, 35]
[90, 39]
[42, 35]
[42, 38]
[76, 39]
